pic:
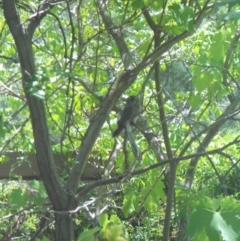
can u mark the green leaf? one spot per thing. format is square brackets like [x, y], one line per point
[202, 81]
[45, 239]
[103, 220]
[196, 100]
[137, 4]
[216, 51]
[230, 211]
[183, 15]
[114, 219]
[231, 15]
[114, 232]
[156, 5]
[230, 3]
[88, 234]
[18, 198]
[129, 202]
[39, 187]
[153, 192]
[143, 46]
[216, 218]
[39, 199]
[227, 232]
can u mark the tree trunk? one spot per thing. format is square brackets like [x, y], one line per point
[62, 202]
[64, 226]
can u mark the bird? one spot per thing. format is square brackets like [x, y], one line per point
[129, 114]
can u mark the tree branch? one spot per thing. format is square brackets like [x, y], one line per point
[207, 139]
[42, 11]
[116, 34]
[119, 86]
[86, 189]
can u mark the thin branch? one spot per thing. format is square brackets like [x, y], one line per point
[212, 131]
[116, 34]
[41, 225]
[119, 85]
[43, 9]
[231, 49]
[14, 60]
[217, 124]
[10, 139]
[12, 92]
[86, 189]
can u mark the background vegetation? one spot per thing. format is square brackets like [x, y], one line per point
[66, 70]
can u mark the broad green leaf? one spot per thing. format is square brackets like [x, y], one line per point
[230, 211]
[103, 220]
[153, 192]
[196, 100]
[41, 196]
[230, 3]
[114, 233]
[88, 234]
[156, 5]
[215, 218]
[18, 198]
[183, 15]
[220, 225]
[144, 46]
[202, 81]
[216, 51]
[129, 202]
[137, 4]
[39, 187]
[114, 219]
[231, 15]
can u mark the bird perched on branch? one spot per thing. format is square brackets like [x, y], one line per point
[129, 114]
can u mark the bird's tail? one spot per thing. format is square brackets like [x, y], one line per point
[118, 131]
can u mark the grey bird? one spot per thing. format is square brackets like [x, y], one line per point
[129, 114]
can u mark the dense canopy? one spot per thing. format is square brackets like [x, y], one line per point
[72, 73]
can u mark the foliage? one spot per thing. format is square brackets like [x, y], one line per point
[66, 70]
[216, 219]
